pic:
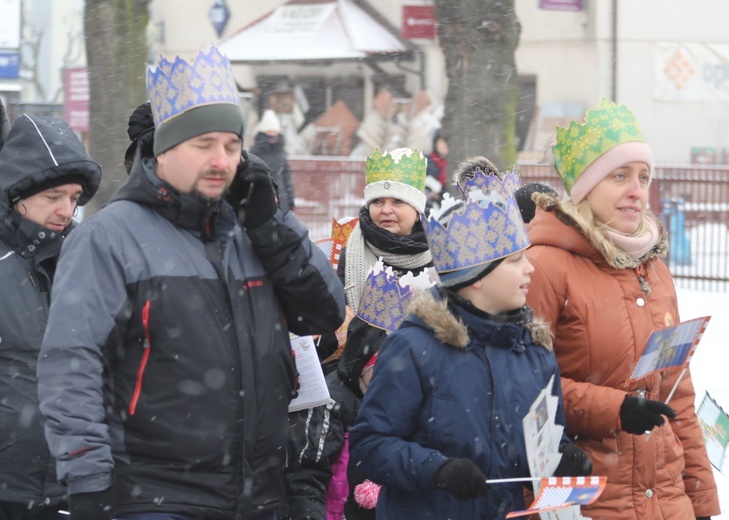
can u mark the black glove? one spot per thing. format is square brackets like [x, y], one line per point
[91, 506]
[251, 193]
[574, 463]
[461, 478]
[703, 518]
[639, 415]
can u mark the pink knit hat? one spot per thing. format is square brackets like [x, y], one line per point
[620, 155]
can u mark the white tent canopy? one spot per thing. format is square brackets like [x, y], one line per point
[311, 30]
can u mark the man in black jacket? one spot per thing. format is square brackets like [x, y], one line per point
[166, 369]
[45, 174]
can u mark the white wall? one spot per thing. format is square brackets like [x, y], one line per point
[571, 53]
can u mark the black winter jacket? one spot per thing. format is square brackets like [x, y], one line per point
[39, 150]
[272, 150]
[166, 367]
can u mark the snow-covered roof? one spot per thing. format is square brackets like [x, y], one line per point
[316, 30]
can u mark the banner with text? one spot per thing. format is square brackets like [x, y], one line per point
[691, 72]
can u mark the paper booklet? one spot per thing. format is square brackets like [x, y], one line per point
[313, 389]
[554, 498]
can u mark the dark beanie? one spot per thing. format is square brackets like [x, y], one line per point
[140, 123]
[216, 117]
[71, 178]
[523, 196]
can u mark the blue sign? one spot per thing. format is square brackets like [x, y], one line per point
[9, 65]
[219, 15]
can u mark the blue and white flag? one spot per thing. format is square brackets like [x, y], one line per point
[670, 348]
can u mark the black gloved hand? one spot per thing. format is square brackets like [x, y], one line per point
[639, 415]
[461, 478]
[91, 506]
[251, 193]
[574, 463]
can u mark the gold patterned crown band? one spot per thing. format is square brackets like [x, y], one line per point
[491, 182]
[179, 90]
[473, 232]
[399, 174]
[401, 165]
[385, 296]
[583, 142]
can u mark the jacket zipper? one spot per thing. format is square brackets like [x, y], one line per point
[143, 362]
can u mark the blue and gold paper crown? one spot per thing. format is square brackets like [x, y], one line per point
[385, 297]
[488, 183]
[176, 87]
[478, 231]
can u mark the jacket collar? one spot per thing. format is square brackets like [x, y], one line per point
[31, 240]
[212, 220]
[456, 322]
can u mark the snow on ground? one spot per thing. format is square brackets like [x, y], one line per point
[710, 364]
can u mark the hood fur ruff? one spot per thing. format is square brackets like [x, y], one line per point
[617, 258]
[451, 330]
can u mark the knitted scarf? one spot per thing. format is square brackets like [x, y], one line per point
[636, 245]
[367, 243]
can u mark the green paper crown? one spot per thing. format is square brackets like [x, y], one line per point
[604, 128]
[408, 170]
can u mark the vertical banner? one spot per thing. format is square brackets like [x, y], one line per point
[76, 87]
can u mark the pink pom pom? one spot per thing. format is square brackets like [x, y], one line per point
[366, 493]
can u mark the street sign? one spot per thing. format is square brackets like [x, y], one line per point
[9, 65]
[76, 81]
[418, 21]
[219, 15]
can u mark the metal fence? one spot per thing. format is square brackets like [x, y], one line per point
[691, 200]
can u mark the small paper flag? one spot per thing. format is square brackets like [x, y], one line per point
[714, 423]
[670, 348]
[562, 492]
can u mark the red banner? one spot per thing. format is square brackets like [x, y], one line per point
[76, 86]
[418, 21]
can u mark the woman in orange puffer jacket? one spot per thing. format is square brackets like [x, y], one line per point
[601, 284]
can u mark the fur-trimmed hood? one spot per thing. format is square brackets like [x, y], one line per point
[436, 311]
[586, 238]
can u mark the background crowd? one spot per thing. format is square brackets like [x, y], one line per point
[145, 362]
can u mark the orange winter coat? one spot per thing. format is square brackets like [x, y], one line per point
[602, 305]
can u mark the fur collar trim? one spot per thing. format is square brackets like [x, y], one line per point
[451, 330]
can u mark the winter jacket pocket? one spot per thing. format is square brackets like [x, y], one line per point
[671, 450]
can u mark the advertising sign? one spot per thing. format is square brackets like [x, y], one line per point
[9, 65]
[76, 86]
[691, 72]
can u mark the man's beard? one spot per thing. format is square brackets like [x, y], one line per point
[208, 200]
[205, 198]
